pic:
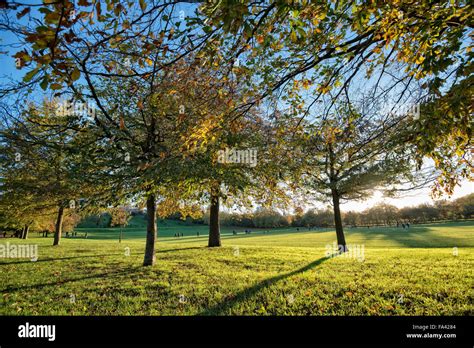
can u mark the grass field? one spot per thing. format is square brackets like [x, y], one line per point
[280, 272]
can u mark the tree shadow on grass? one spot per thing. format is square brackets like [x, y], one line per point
[417, 236]
[25, 261]
[58, 259]
[223, 307]
[112, 274]
[158, 251]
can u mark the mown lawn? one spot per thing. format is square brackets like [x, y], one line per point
[426, 270]
[168, 228]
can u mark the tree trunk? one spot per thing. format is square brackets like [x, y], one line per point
[59, 226]
[24, 234]
[341, 240]
[214, 228]
[151, 231]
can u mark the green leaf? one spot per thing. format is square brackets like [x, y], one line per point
[29, 76]
[44, 83]
[44, 10]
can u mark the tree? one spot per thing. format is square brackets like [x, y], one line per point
[306, 52]
[467, 205]
[65, 65]
[320, 46]
[269, 218]
[42, 170]
[228, 170]
[221, 149]
[382, 214]
[443, 131]
[351, 218]
[351, 154]
[334, 47]
[119, 217]
[320, 218]
[160, 131]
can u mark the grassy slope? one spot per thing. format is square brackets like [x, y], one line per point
[283, 272]
[166, 228]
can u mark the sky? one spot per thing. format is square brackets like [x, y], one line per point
[410, 199]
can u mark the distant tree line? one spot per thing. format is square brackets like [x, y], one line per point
[43, 224]
[379, 215]
[386, 214]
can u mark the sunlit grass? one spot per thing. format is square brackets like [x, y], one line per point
[403, 272]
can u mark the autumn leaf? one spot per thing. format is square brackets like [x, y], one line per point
[98, 9]
[143, 166]
[420, 60]
[75, 74]
[118, 9]
[293, 36]
[23, 12]
[321, 15]
[56, 86]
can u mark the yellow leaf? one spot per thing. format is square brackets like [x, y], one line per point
[420, 60]
[293, 36]
[322, 15]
